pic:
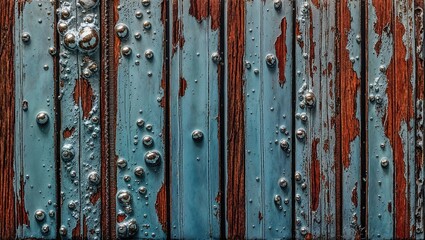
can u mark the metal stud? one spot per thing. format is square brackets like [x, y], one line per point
[215, 57]
[197, 135]
[121, 163]
[149, 54]
[89, 39]
[298, 176]
[152, 158]
[138, 171]
[385, 162]
[26, 37]
[283, 183]
[126, 50]
[132, 227]
[63, 231]
[121, 30]
[137, 35]
[270, 60]
[65, 14]
[309, 99]
[277, 4]
[140, 122]
[45, 229]
[147, 141]
[62, 27]
[52, 213]
[143, 190]
[146, 3]
[52, 51]
[303, 231]
[88, 4]
[297, 197]
[122, 230]
[69, 41]
[94, 178]
[300, 133]
[39, 215]
[42, 118]
[277, 200]
[67, 152]
[72, 205]
[303, 186]
[147, 25]
[124, 197]
[284, 144]
[139, 14]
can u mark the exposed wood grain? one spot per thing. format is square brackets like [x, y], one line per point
[7, 126]
[235, 120]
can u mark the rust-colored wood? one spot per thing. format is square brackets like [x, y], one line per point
[235, 120]
[7, 126]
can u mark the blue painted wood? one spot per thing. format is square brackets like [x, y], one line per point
[35, 170]
[380, 180]
[194, 101]
[350, 77]
[140, 119]
[268, 119]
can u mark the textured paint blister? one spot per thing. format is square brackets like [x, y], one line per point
[268, 119]
[140, 120]
[35, 164]
[194, 104]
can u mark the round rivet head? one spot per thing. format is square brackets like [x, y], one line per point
[124, 197]
[52, 51]
[87, 73]
[132, 227]
[270, 60]
[63, 231]
[42, 118]
[146, 3]
[138, 171]
[138, 36]
[72, 205]
[283, 183]
[94, 178]
[149, 54]
[147, 141]
[309, 99]
[152, 158]
[65, 14]
[143, 190]
[303, 186]
[140, 122]
[300, 133]
[69, 41]
[89, 39]
[67, 153]
[121, 30]
[298, 176]
[122, 230]
[197, 135]
[284, 144]
[88, 4]
[277, 199]
[39, 215]
[26, 37]
[303, 231]
[62, 27]
[126, 50]
[277, 4]
[147, 25]
[215, 57]
[139, 14]
[385, 162]
[45, 229]
[297, 197]
[121, 163]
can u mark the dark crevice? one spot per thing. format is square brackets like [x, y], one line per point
[294, 104]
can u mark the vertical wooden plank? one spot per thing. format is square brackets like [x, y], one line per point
[194, 104]
[380, 73]
[420, 92]
[268, 112]
[403, 97]
[140, 149]
[235, 135]
[35, 165]
[349, 57]
[254, 153]
[7, 127]
[316, 119]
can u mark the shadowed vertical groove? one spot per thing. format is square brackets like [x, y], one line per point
[235, 119]
[294, 102]
[338, 127]
[58, 127]
[222, 123]
[363, 123]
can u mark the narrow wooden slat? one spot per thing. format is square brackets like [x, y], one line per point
[349, 57]
[194, 104]
[140, 119]
[7, 111]
[316, 120]
[380, 84]
[35, 165]
[235, 136]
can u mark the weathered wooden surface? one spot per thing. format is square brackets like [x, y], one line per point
[268, 118]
